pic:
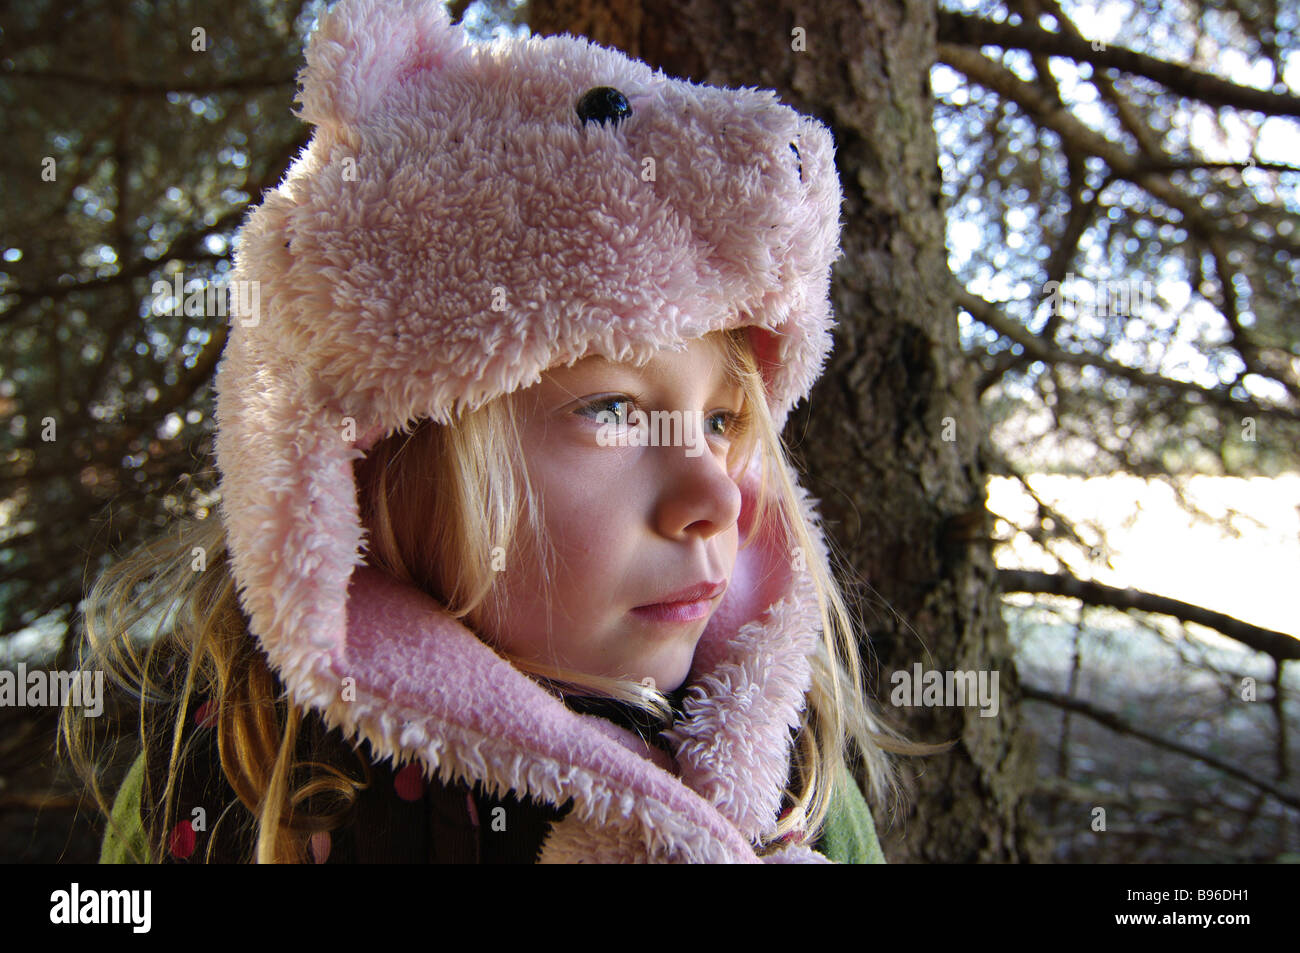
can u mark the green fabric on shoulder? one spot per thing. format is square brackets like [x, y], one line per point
[849, 834]
[124, 840]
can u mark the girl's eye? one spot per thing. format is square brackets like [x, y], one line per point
[605, 407]
[617, 410]
[729, 420]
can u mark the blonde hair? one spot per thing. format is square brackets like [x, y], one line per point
[165, 626]
[467, 479]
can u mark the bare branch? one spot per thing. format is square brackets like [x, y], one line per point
[1248, 349]
[133, 87]
[1078, 137]
[988, 314]
[1279, 645]
[1115, 723]
[970, 31]
[1142, 134]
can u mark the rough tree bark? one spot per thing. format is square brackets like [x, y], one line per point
[904, 505]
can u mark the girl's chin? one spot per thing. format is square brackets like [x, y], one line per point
[669, 676]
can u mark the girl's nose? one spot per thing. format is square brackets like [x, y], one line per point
[698, 497]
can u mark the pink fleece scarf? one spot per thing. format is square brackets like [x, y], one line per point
[454, 229]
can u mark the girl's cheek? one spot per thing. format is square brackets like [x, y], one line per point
[580, 449]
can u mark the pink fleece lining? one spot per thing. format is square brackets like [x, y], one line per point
[452, 231]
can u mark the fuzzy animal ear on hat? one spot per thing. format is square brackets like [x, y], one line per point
[465, 217]
[360, 53]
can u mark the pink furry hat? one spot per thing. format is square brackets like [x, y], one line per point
[465, 217]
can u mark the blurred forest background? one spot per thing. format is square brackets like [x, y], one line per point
[1120, 184]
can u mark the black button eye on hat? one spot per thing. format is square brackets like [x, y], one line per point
[603, 103]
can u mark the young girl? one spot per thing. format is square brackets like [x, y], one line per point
[510, 563]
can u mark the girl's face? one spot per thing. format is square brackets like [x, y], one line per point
[631, 526]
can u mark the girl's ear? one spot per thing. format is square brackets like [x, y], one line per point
[361, 49]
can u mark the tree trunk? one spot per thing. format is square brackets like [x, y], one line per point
[890, 438]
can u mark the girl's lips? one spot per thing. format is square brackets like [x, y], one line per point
[676, 611]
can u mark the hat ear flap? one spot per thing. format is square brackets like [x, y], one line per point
[361, 49]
